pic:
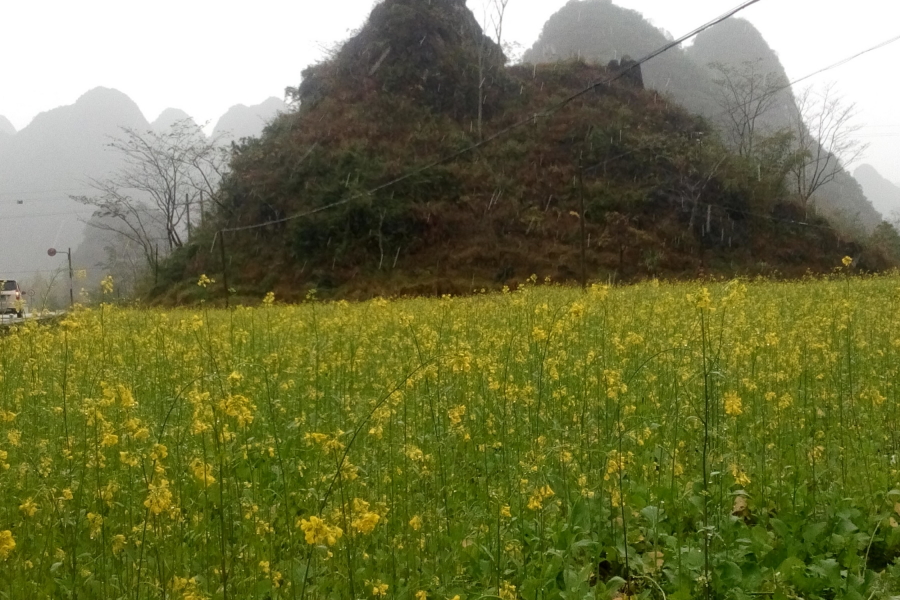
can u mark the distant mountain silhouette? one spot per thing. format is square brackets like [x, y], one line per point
[168, 118]
[57, 155]
[242, 121]
[599, 31]
[6, 128]
[884, 194]
[736, 42]
[40, 166]
[733, 43]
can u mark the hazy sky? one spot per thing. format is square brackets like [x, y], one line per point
[205, 55]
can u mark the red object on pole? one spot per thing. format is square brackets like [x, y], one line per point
[53, 252]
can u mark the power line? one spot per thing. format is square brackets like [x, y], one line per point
[547, 113]
[48, 191]
[84, 213]
[843, 62]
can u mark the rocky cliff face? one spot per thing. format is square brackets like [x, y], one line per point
[432, 52]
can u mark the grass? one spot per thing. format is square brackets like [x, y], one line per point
[727, 440]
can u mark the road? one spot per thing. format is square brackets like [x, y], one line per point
[7, 320]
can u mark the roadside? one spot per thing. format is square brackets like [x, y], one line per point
[10, 320]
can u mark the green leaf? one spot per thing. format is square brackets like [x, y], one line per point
[730, 574]
[845, 526]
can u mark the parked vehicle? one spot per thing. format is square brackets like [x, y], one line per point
[11, 298]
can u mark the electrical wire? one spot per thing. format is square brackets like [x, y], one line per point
[81, 213]
[843, 62]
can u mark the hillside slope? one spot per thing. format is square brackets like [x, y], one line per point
[6, 128]
[599, 31]
[658, 200]
[736, 42]
[241, 121]
[884, 194]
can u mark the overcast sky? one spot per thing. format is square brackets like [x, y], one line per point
[204, 56]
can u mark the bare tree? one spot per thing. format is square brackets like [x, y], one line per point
[824, 132]
[499, 14]
[747, 96]
[497, 11]
[162, 183]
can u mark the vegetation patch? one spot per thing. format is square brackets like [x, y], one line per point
[727, 440]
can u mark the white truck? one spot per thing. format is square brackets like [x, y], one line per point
[12, 299]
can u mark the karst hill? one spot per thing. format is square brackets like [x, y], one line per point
[355, 210]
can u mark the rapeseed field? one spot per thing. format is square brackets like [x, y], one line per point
[729, 440]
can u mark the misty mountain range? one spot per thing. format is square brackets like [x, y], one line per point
[6, 128]
[56, 156]
[600, 31]
[884, 194]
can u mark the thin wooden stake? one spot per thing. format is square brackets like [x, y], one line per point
[224, 266]
[583, 227]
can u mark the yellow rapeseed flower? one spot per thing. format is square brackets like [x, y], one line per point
[159, 498]
[7, 544]
[703, 301]
[158, 452]
[536, 502]
[366, 520]
[740, 477]
[319, 532]
[96, 523]
[379, 590]
[733, 405]
[416, 523]
[118, 544]
[202, 472]
[507, 591]
[28, 508]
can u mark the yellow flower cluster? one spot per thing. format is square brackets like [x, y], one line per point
[538, 496]
[318, 532]
[202, 472]
[159, 497]
[733, 405]
[7, 544]
[364, 520]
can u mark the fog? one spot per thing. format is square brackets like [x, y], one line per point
[203, 57]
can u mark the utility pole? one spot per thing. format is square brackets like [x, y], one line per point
[581, 218]
[224, 266]
[52, 252]
[71, 279]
